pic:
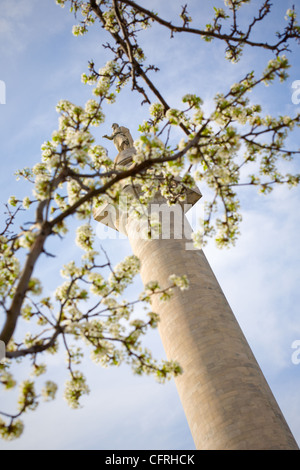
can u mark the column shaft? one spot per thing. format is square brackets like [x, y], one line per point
[227, 401]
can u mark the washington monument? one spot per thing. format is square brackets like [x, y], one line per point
[226, 399]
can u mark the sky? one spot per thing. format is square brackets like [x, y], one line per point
[41, 63]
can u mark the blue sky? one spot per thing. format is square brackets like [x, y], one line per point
[41, 63]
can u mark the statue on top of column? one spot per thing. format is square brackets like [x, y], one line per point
[121, 137]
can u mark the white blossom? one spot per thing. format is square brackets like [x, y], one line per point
[75, 389]
[180, 281]
[85, 237]
[49, 391]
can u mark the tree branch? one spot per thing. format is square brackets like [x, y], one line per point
[216, 35]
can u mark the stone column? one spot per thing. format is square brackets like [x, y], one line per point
[227, 401]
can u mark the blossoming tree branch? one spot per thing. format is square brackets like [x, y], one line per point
[75, 176]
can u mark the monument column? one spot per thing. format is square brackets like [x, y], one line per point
[226, 399]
